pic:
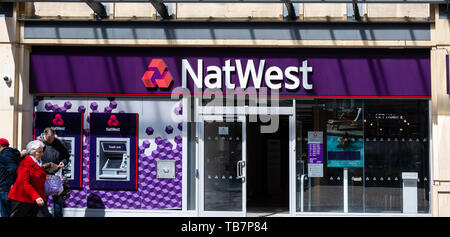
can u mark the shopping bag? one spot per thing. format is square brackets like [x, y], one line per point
[53, 185]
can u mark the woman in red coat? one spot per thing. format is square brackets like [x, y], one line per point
[27, 195]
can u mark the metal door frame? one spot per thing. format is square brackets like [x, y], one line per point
[242, 111]
[201, 177]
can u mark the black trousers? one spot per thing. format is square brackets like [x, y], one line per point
[23, 209]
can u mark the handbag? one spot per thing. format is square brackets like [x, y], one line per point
[53, 185]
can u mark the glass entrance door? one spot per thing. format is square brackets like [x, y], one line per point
[222, 166]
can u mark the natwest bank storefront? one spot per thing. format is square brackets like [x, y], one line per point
[239, 131]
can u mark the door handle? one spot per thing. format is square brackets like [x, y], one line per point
[240, 170]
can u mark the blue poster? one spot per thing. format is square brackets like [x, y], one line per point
[344, 151]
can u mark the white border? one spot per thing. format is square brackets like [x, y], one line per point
[201, 178]
[292, 164]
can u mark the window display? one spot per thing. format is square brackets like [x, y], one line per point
[369, 145]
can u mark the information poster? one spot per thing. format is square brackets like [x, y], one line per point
[315, 154]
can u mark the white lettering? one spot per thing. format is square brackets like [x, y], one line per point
[228, 69]
[193, 227]
[305, 69]
[250, 70]
[273, 76]
[216, 76]
[59, 128]
[277, 77]
[288, 73]
[186, 67]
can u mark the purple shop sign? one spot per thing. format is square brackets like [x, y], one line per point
[158, 71]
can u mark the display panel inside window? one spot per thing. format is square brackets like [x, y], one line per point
[379, 147]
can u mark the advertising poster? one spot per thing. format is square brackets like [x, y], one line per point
[345, 144]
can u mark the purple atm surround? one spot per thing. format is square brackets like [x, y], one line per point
[114, 125]
[66, 124]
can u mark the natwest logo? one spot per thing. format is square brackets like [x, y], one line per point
[58, 121]
[157, 75]
[113, 121]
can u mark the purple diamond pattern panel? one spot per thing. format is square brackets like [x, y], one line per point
[152, 193]
[162, 193]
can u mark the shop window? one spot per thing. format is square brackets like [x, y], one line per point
[379, 147]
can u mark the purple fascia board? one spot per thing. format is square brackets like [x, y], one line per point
[335, 72]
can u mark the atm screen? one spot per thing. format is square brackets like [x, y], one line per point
[109, 146]
[68, 145]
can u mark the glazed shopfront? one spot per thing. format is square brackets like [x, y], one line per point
[240, 131]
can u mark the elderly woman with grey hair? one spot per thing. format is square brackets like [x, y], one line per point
[27, 195]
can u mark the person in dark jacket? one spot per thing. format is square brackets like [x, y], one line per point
[9, 161]
[55, 152]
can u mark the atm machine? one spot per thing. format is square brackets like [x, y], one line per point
[112, 157]
[69, 143]
[70, 134]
